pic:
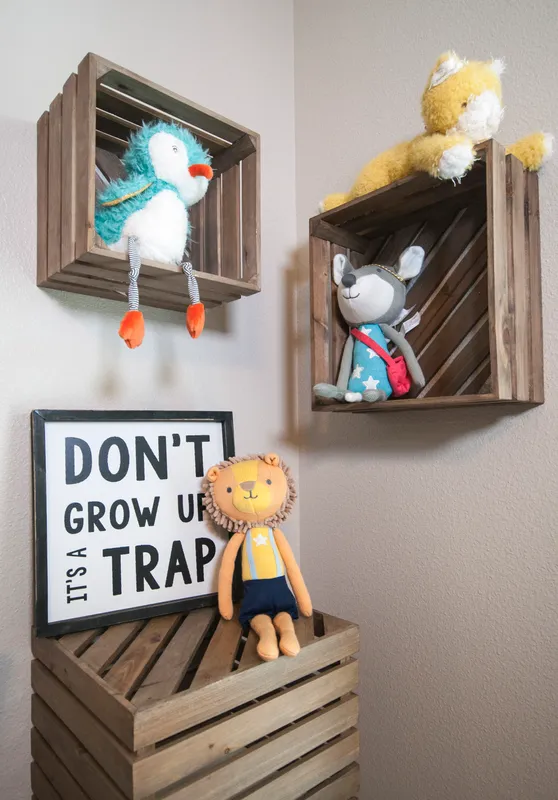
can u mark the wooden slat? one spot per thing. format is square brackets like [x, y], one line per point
[196, 238]
[68, 189]
[241, 772]
[304, 774]
[219, 657]
[109, 164]
[533, 250]
[85, 155]
[134, 663]
[73, 755]
[338, 328]
[251, 218]
[42, 198]
[97, 739]
[477, 380]
[156, 96]
[114, 711]
[304, 627]
[498, 282]
[338, 235]
[320, 292]
[471, 352]
[192, 753]
[231, 265]
[344, 785]
[54, 770]
[397, 242]
[42, 788]
[110, 645]
[462, 318]
[54, 183]
[233, 155]
[249, 657]
[213, 227]
[167, 674]
[77, 642]
[414, 404]
[190, 708]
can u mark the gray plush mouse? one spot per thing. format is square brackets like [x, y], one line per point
[371, 299]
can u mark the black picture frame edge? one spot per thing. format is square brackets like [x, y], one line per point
[39, 417]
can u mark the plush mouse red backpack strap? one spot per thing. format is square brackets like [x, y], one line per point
[397, 372]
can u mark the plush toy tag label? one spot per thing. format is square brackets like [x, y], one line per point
[411, 323]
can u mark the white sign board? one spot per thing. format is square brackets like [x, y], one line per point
[119, 524]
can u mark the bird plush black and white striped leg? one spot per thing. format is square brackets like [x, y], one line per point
[195, 313]
[132, 327]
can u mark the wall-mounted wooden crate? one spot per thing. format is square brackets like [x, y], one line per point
[479, 294]
[181, 707]
[80, 141]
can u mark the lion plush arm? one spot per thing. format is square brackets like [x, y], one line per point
[294, 574]
[226, 573]
[445, 156]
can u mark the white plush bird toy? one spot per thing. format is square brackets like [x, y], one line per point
[146, 214]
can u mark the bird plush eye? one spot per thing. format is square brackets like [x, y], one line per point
[174, 149]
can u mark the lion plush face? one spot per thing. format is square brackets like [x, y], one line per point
[464, 97]
[243, 493]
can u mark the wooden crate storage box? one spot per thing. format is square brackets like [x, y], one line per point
[80, 140]
[479, 293]
[180, 707]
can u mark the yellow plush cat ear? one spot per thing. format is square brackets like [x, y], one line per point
[448, 64]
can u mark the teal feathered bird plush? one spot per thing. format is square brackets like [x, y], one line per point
[146, 214]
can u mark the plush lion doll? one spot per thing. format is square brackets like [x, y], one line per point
[249, 497]
[461, 107]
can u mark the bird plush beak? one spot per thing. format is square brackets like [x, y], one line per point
[201, 170]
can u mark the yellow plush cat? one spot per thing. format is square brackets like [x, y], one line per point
[461, 106]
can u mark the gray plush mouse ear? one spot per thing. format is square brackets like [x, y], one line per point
[341, 265]
[410, 262]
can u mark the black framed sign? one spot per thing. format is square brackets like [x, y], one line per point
[119, 527]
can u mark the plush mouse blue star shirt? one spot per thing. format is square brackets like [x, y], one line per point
[146, 214]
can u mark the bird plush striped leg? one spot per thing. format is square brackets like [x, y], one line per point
[195, 313]
[132, 327]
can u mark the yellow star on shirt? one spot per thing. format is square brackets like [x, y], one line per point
[259, 539]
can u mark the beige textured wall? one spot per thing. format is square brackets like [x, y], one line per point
[62, 351]
[436, 532]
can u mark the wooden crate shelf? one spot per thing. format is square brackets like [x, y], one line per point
[182, 707]
[479, 294]
[80, 141]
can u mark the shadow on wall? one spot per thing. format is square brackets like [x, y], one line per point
[403, 432]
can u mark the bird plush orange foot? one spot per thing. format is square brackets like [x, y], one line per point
[132, 328]
[195, 319]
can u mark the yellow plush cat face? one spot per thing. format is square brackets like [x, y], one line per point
[463, 97]
[242, 493]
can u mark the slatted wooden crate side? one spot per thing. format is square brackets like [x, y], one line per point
[54, 770]
[42, 788]
[85, 155]
[104, 702]
[174, 715]
[533, 258]
[68, 177]
[320, 298]
[42, 199]
[231, 263]
[501, 332]
[309, 771]
[229, 736]
[344, 785]
[251, 217]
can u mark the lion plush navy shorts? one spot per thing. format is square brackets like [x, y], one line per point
[266, 596]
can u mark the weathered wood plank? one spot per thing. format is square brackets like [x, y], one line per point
[533, 249]
[53, 769]
[251, 218]
[213, 243]
[136, 660]
[110, 645]
[320, 293]
[231, 264]
[339, 236]
[233, 155]
[77, 642]
[68, 187]
[167, 674]
[344, 785]
[41, 786]
[85, 155]
[218, 659]
[54, 184]
[42, 198]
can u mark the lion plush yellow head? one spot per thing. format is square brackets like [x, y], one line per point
[464, 97]
[246, 492]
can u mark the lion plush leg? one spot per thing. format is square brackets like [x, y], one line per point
[448, 157]
[533, 150]
[267, 645]
[288, 643]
